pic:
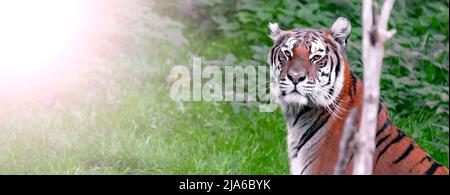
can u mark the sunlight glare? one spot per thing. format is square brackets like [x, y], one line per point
[34, 34]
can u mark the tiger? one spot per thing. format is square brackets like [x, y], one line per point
[311, 81]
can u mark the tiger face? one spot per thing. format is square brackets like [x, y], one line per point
[307, 65]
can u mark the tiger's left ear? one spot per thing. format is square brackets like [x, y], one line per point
[275, 32]
[340, 31]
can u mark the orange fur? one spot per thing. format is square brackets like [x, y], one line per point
[417, 160]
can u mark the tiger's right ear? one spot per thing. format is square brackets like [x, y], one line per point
[340, 30]
[275, 32]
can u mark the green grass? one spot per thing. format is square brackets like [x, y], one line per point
[428, 132]
[142, 131]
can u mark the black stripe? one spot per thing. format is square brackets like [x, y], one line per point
[307, 165]
[382, 140]
[272, 54]
[312, 130]
[304, 110]
[352, 91]
[350, 159]
[405, 154]
[318, 141]
[426, 157]
[385, 125]
[331, 91]
[353, 79]
[338, 65]
[420, 162]
[331, 70]
[275, 50]
[310, 117]
[379, 107]
[312, 145]
[399, 137]
[432, 169]
[315, 35]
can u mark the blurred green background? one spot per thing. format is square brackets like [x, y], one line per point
[114, 115]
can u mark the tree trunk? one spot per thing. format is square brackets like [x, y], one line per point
[375, 35]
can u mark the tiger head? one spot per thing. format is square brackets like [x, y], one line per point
[307, 65]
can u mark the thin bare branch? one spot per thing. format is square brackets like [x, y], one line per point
[385, 14]
[374, 37]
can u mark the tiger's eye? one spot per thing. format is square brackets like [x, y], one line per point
[288, 54]
[316, 57]
[282, 58]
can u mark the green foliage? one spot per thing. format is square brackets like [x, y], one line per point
[416, 61]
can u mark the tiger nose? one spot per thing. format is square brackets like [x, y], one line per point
[296, 77]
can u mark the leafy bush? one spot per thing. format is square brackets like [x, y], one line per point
[414, 83]
[415, 76]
